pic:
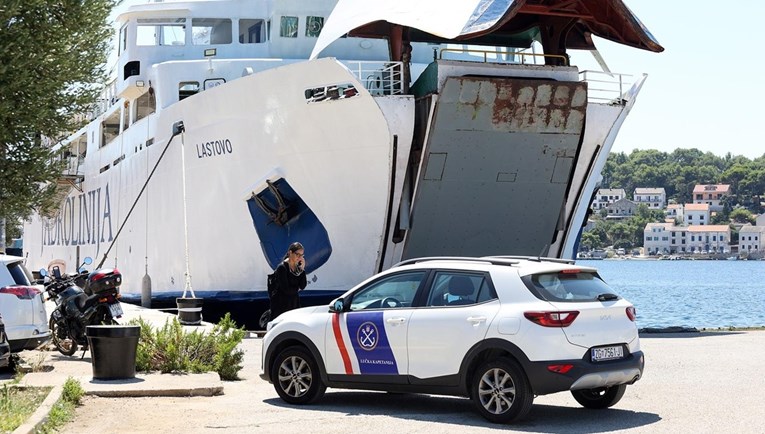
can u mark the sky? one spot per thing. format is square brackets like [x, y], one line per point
[705, 90]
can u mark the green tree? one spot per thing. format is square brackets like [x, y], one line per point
[742, 215]
[52, 67]
[590, 241]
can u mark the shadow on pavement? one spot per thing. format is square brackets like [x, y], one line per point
[461, 411]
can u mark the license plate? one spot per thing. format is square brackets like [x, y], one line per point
[115, 309]
[607, 353]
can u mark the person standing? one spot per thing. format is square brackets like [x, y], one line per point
[290, 278]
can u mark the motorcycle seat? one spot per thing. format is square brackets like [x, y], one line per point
[81, 301]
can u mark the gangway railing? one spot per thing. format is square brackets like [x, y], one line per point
[379, 78]
[605, 87]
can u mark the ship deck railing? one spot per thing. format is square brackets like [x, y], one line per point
[606, 87]
[603, 87]
[378, 77]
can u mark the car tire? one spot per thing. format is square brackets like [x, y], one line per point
[501, 391]
[61, 339]
[296, 376]
[599, 398]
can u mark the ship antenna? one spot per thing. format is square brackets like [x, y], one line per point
[178, 128]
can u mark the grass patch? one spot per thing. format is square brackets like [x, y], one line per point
[63, 410]
[18, 403]
[171, 349]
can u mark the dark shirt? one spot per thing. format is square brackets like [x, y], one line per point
[287, 284]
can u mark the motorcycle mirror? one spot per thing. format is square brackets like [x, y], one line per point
[43, 272]
[88, 260]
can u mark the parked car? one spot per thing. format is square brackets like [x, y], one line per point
[5, 347]
[499, 330]
[22, 305]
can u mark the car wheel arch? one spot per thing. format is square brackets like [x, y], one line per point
[488, 350]
[289, 339]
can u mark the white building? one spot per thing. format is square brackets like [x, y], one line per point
[708, 239]
[666, 238]
[607, 196]
[675, 212]
[750, 238]
[696, 214]
[656, 238]
[654, 198]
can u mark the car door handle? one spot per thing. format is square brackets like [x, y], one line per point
[394, 321]
[476, 319]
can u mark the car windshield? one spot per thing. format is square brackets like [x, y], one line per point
[571, 287]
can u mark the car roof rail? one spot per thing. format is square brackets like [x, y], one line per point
[494, 260]
[536, 259]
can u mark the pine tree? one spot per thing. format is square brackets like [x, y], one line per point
[52, 68]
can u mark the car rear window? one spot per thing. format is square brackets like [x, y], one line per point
[570, 286]
[19, 273]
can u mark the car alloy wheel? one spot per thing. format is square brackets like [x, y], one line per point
[501, 391]
[297, 378]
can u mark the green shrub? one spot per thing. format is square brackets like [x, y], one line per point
[170, 349]
[73, 391]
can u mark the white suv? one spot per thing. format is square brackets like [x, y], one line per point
[499, 330]
[22, 306]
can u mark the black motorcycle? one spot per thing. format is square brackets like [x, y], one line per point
[82, 299]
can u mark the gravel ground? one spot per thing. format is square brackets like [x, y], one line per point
[693, 382]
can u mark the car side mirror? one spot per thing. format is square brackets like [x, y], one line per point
[337, 306]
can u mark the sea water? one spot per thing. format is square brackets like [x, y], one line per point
[700, 294]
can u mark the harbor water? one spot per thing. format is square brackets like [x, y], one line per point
[699, 294]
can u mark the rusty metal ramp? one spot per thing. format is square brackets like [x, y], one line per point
[497, 164]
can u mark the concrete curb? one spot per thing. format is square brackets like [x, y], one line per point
[40, 416]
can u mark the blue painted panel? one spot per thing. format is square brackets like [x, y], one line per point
[281, 217]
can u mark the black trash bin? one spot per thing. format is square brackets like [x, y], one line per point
[189, 310]
[112, 350]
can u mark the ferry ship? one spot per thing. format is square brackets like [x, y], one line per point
[371, 132]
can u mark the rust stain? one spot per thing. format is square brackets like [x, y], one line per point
[521, 105]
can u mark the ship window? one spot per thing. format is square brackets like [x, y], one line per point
[126, 115]
[210, 31]
[313, 26]
[288, 27]
[123, 39]
[146, 104]
[187, 88]
[252, 31]
[161, 31]
[110, 128]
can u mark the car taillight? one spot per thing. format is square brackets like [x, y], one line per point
[631, 313]
[560, 369]
[552, 319]
[22, 292]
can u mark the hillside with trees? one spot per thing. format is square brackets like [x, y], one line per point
[677, 172]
